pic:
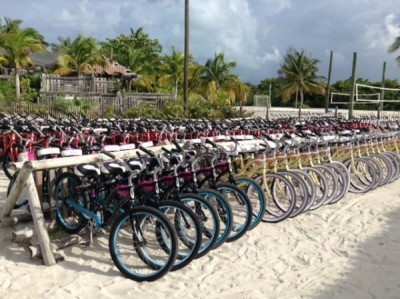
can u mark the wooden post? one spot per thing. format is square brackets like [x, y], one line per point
[353, 85]
[15, 192]
[38, 220]
[382, 94]
[26, 176]
[328, 85]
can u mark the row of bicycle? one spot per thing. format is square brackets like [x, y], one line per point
[26, 134]
[163, 210]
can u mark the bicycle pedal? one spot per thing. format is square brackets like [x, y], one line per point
[85, 244]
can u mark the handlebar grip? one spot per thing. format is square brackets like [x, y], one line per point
[108, 154]
[177, 145]
[165, 150]
[233, 139]
[149, 152]
[211, 142]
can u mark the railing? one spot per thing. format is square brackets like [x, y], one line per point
[92, 106]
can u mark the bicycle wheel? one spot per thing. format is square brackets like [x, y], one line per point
[395, 160]
[311, 188]
[135, 247]
[188, 230]
[321, 187]
[300, 189]
[277, 188]
[256, 196]
[343, 180]
[241, 209]
[379, 175]
[332, 186]
[10, 156]
[70, 219]
[224, 211]
[208, 217]
[386, 166]
[360, 169]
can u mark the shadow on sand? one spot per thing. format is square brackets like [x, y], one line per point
[374, 271]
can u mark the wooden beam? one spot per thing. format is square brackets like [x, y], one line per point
[16, 190]
[39, 223]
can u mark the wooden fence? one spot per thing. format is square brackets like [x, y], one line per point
[92, 106]
[87, 85]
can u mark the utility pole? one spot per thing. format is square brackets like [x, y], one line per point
[328, 87]
[353, 85]
[382, 95]
[186, 61]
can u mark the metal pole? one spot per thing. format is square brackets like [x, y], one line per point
[328, 87]
[269, 101]
[380, 109]
[353, 85]
[186, 61]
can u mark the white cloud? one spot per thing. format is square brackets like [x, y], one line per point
[274, 56]
[86, 17]
[227, 26]
[381, 35]
[254, 33]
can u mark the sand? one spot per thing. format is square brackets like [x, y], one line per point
[347, 250]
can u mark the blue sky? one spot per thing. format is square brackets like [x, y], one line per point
[254, 33]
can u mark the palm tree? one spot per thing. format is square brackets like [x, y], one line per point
[10, 25]
[395, 46]
[17, 45]
[172, 70]
[78, 56]
[137, 64]
[299, 72]
[216, 75]
[239, 90]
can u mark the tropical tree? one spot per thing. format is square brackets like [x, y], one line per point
[299, 72]
[216, 75]
[395, 46]
[238, 91]
[138, 65]
[120, 48]
[16, 45]
[172, 70]
[78, 56]
[10, 25]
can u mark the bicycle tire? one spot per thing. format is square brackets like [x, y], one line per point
[310, 186]
[208, 217]
[274, 214]
[332, 186]
[224, 211]
[241, 209]
[301, 191]
[140, 250]
[68, 218]
[256, 196]
[358, 185]
[188, 230]
[321, 187]
[343, 180]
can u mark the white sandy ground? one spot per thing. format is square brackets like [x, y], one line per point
[347, 250]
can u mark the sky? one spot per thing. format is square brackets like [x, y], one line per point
[254, 33]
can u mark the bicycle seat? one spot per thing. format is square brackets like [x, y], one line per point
[87, 169]
[112, 168]
[48, 151]
[136, 164]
